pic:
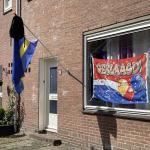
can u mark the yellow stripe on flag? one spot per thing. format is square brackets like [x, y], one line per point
[24, 47]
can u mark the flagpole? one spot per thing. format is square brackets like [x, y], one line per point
[17, 120]
[19, 97]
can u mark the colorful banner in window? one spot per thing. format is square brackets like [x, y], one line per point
[121, 81]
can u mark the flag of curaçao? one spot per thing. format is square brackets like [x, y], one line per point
[22, 54]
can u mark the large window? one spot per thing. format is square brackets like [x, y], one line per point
[116, 43]
[7, 5]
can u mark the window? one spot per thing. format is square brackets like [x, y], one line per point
[7, 5]
[53, 106]
[115, 43]
[53, 80]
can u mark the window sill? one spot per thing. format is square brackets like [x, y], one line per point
[144, 116]
[7, 11]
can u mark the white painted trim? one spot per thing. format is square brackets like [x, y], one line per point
[85, 80]
[1, 94]
[112, 32]
[42, 95]
[16, 6]
[119, 30]
[51, 130]
[53, 96]
[88, 107]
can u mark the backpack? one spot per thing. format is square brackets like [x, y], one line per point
[17, 28]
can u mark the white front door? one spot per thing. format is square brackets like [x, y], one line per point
[48, 117]
[52, 97]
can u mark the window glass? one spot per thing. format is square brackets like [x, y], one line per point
[118, 47]
[53, 106]
[7, 3]
[53, 80]
[125, 46]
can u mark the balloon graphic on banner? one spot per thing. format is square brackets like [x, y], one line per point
[123, 86]
[125, 89]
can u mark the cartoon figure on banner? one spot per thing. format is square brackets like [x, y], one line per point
[125, 89]
[139, 87]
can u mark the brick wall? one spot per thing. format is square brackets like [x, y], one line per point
[60, 24]
[5, 48]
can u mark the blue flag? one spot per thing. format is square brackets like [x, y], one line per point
[22, 55]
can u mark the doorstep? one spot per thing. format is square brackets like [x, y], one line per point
[47, 137]
[53, 140]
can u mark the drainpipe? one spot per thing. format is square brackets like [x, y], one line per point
[17, 118]
[18, 7]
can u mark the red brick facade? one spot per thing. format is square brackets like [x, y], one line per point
[60, 25]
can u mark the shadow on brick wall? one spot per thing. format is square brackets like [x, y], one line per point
[107, 128]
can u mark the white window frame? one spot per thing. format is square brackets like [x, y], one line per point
[8, 8]
[1, 94]
[104, 33]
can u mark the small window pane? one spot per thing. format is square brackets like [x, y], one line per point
[53, 106]
[53, 80]
[125, 46]
[7, 3]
